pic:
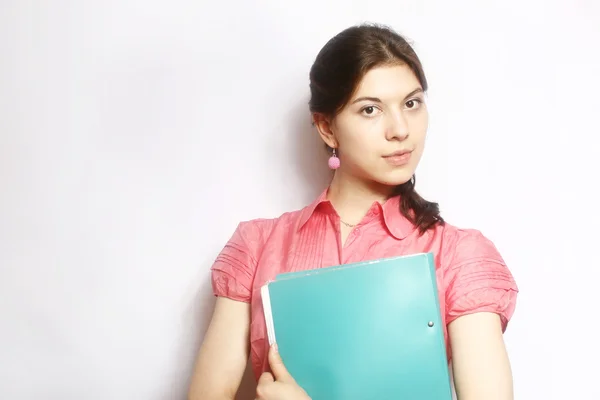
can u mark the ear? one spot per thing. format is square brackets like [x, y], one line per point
[324, 126]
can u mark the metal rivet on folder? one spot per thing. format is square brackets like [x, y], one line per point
[430, 324]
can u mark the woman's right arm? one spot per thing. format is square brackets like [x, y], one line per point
[224, 352]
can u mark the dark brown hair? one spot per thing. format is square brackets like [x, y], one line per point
[337, 71]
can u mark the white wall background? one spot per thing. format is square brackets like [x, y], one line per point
[134, 135]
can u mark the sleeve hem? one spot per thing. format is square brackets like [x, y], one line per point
[242, 299]
[505, 315]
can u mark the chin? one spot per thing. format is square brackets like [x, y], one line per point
[394, 179]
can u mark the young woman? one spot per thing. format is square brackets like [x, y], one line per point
[367, 101]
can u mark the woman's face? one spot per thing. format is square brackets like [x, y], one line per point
[380, 134]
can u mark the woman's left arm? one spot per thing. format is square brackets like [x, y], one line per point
[481, 296]
[480, 362]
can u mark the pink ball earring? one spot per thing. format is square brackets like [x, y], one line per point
[334, 161]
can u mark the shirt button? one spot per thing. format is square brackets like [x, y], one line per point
[357, 231]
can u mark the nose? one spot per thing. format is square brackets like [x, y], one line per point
[398, 127]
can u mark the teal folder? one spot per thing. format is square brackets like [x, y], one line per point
[364, 331]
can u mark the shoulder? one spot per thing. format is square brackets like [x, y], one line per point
[255, 233]
[467, 244]
[262, 228]
[476, 277]
[235, 266]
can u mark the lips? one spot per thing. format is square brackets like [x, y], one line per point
[397, 153]
[398, 158]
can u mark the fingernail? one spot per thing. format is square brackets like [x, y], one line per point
[276, 348]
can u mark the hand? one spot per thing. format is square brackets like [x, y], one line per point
[279, 385]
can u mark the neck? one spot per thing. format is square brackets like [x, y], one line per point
[352, 197]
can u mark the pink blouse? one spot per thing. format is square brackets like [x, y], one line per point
[471, 274]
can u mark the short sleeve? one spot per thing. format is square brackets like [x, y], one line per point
[478, 279]
[233, 271]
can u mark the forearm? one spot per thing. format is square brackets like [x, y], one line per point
[489, 379]
[481, 366]
[224, 352]
[210, 395]
[484, 394]
[214, 382]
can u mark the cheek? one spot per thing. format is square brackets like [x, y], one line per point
[357, 139]
[419, 141]
[365, 150]
[419, 124]
[361, 155]
[418, 153]
[419, 132]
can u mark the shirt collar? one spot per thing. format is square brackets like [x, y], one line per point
[396, 223]
[309, 210]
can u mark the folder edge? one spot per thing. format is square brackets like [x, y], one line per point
[266, 302]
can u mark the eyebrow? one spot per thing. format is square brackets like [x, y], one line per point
[378, 100]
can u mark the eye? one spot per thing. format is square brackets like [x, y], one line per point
[369, 110]
[413, 104]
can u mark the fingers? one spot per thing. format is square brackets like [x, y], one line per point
[279, 370]
[265, 378]
[265, 387]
